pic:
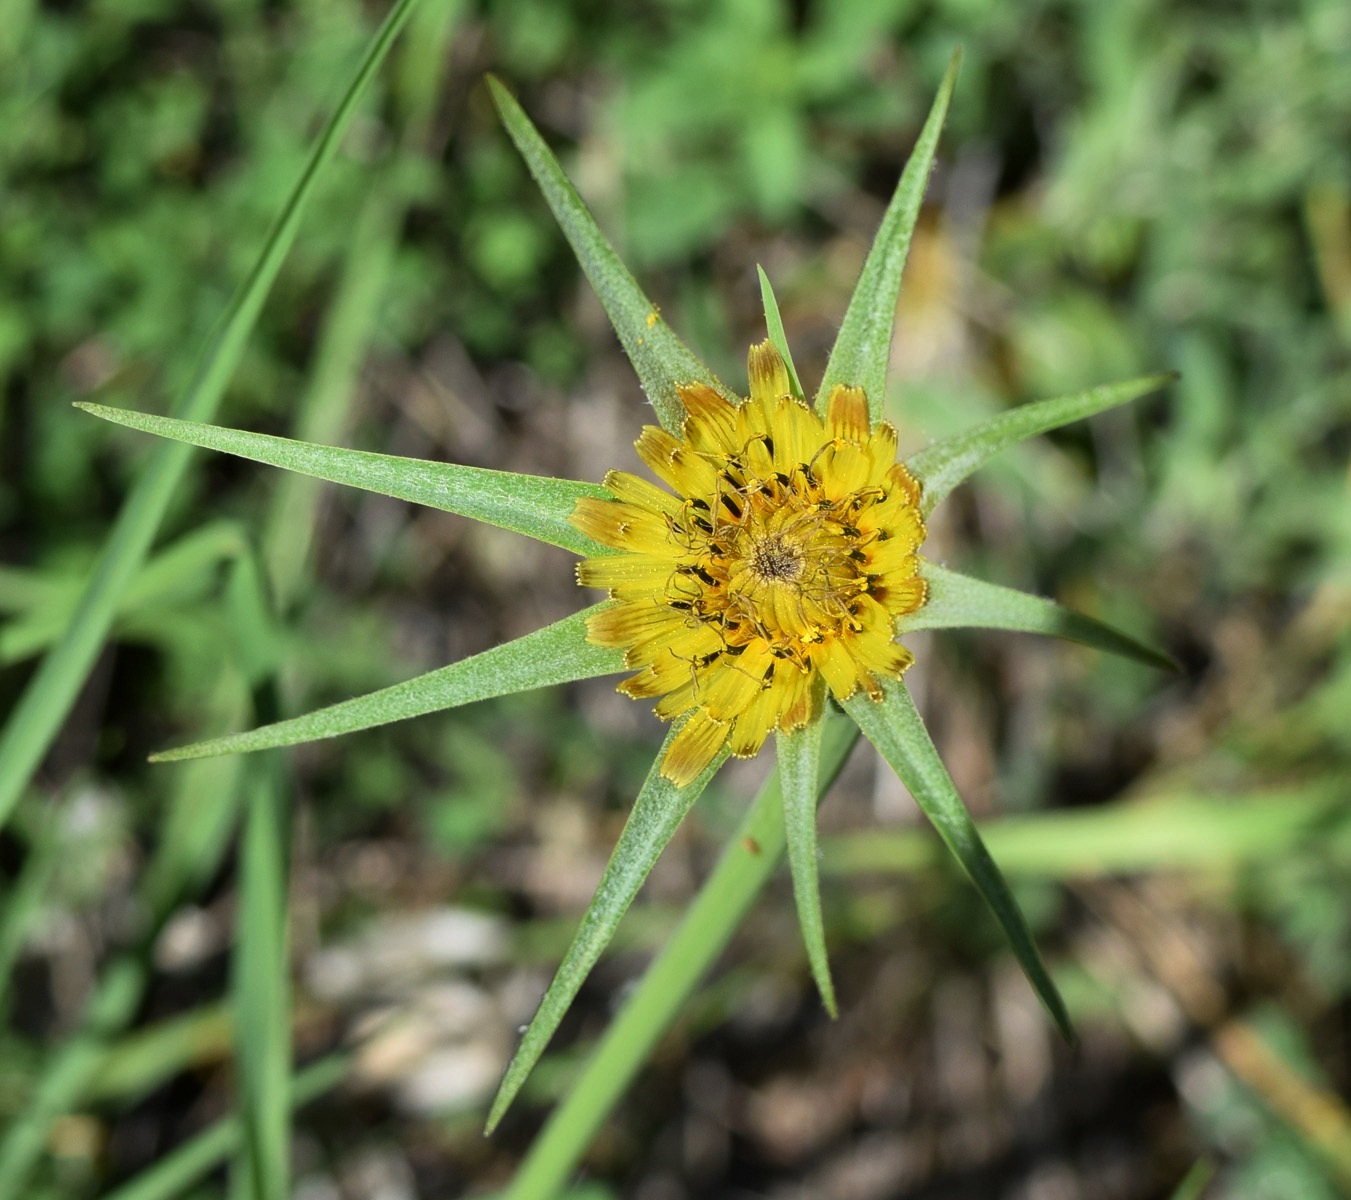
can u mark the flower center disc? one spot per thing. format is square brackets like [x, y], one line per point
[777, 561]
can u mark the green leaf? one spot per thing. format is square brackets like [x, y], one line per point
[894, 726]
[960, 602]
[261, 991]
[774, 325]
[747, 864]
[529, 504]
[656, 814]
[799, 755]
[174, 1173]
[558, 653]
[863, 348]
[52, 689]
[1170, 830]
[942, 466]
[659, 357]
[182, 570]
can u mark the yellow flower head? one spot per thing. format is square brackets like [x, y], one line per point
[782, 560]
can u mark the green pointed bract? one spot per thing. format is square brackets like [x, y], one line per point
[774, 327]
[747, 863]
[863, 348]
[894, 726]
[656, 815]
[530, 504]
[558, 653]
[799, 759]
[958, 601]
[945, 464]
[659, 357]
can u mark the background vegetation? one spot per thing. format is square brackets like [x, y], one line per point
[1122, 188]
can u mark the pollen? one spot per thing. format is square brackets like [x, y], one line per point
[773, 570]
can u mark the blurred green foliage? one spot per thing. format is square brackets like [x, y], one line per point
[1125, 187]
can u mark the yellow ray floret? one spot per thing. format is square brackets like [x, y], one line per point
[776, 570]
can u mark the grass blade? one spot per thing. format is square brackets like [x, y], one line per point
[261, 991]
[799, 758]
[894, 726]
[863, 348]
[658, 355]
[204, 803]
[52, 690]
[1169, 831]
[558, 653]
[774, 325]
[657, 813]
[174, 1173]
[945, 464]
[181, 570]
[352, 318]
[530, 504]
[958, 601]
[745, 867]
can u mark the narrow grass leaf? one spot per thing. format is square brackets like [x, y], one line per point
[1167, 831]
[174, 1173]
[322, 413]
[530, 504]
[894, 726]
[945, 464]
[205, 797]
[558, 653]
[958, 601]
[26, 897]
[351, 320]
[151, 1056]
[799, 756]
[66, 1075]
[658, 355]
[45, 601]
[774, 325]
[261, 991]
[746, 865]
[863, 348]
[52, 690]
[1196, 1181]
[656, 814]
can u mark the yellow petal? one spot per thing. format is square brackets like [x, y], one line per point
[623, 526]
[675, 463]
[847, 415]
[725, 689]
[626, 622]
[797, 434]
[768, 375]
[842, 471]
[693, 748]
[637, 490]
[752, 726]
[710, 421]
[635, 574]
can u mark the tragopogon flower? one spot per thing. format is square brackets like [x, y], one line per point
[776, 568]
[784, 558]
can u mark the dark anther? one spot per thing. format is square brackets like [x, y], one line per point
[732, 507]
